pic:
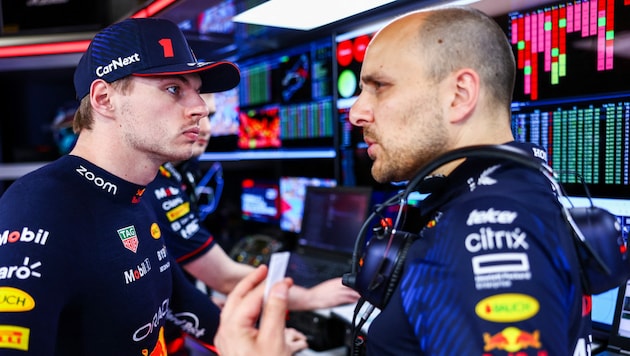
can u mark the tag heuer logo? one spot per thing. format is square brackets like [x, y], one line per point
[129, 238]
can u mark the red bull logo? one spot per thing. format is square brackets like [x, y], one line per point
[160, 347]
[512, 339]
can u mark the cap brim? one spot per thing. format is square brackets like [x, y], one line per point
[215, 76]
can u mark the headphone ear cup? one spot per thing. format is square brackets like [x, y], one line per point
[397, 270]
[381, 266]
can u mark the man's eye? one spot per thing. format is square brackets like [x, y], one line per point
[173, 89]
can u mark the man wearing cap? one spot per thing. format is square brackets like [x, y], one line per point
[83, 266]
[198, 253]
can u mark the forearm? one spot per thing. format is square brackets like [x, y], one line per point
[217, 270]
[299, 299]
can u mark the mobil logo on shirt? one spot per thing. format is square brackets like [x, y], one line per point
[141, 270]
[166, 192]
[24, 235]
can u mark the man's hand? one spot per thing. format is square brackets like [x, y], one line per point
[238, 335]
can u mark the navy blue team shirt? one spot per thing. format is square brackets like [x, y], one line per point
[494, 271]
[84, 269]
[183, 232]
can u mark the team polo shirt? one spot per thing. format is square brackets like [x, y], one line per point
[168, 195]
[493, 272]
[84, 269]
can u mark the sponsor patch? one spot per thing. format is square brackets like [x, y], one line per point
[136, 198]
[511, 339]
[160, 348]
[14, 337]
[155, 231]
[25, 271]
[490, 216]
[15, 300]
[145, 330]
[188, 322]
[25, 235]
[116, 63]
[507, 307]
[178, 212]
[98, 181]
[488, 239]
[499, 270]
[140, 271]
[129, 238]
[166, 192]
[484, 178]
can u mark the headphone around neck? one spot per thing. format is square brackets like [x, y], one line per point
[377, 264]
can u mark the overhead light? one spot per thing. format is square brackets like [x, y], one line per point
[453, 3]
[47, 46]
[305, 14]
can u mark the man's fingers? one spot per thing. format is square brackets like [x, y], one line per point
[295, 339]
[244, 287]
[275, 311]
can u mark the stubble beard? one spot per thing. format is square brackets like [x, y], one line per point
[401, 158]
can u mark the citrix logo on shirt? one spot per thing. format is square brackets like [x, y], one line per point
[488, 238]
[24, 235]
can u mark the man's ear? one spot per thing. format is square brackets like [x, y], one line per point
[100, 97]
[466, 94]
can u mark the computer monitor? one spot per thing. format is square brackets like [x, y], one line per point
[260, 200]
[334, 214]
[292, 194]
[568, 97]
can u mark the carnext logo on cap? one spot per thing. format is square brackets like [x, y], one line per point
[117, 63]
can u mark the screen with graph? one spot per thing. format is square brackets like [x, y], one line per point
[296, 85]
[571, 96]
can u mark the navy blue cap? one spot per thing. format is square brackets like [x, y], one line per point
[148, 47]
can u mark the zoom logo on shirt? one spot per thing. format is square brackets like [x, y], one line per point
[98, 181]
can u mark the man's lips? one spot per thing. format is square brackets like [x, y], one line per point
[192, 133]
[370, 147]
